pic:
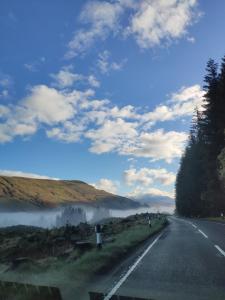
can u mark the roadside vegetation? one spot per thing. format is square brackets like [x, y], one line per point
[200, 182]
[68, 257]
[216, 219]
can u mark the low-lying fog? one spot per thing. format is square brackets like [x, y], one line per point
[49, 219]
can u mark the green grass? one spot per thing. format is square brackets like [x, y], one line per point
[96, 260]
[216, 219]
[71, 275]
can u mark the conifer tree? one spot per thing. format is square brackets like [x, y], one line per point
[199, 187]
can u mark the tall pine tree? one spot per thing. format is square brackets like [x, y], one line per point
[199, 190]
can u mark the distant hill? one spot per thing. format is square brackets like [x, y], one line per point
[155, 200]
[25, 194]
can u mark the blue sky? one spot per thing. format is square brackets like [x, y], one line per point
[103, 91]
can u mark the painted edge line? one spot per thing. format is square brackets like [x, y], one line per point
[131, 269]
[206, 236]
[220, 250]
[194, 225]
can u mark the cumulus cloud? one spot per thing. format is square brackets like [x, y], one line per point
[158, 145]
[126, 138]
[49, 105]
[182, 103]
[12, 173]
[193, 92]
[159, 21]
[147, 176]
[13, 127]
[112, 136]
[71, 115]
[42, 106]
[107, 185]
[150, 22]
[69, 133]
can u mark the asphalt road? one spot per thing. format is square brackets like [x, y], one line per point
[187, 261]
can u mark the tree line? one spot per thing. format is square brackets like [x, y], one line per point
[200, 182]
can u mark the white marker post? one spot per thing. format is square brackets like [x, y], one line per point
[149, 221]
[98, 236]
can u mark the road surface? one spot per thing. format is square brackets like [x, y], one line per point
[186, 261]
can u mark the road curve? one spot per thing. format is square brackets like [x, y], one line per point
[183, 263]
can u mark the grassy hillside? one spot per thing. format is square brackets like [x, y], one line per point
[18, 193]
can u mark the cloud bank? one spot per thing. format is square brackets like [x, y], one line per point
[149, 22]
[71, 115]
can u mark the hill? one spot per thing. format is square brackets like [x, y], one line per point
[25, 194]
[164, 203]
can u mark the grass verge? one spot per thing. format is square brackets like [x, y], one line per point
[216, 219]
[74, 275]
[98, 261]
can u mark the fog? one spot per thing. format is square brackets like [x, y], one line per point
[47, 219]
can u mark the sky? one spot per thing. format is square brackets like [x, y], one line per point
[103, 91]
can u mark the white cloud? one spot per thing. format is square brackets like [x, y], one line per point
[93, 81]
[112, 136]
[66, 78]
[49, 105]
[182, 103]
[22, 128]
[13, 127]
[107, 185]
[72, 115]
[128, 138]
[45, 106]
[158, 145]
[192, 93]
[12, 173]
[6, 83]
[100, 18]
[150, 22]
[160, 21]
[4, 111]
[69, 133]
[5, 135]
[191, 39]
[147, 176]
[105, 64]
[5, 80]
[140, 191]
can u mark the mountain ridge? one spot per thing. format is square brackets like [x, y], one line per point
[24, 194]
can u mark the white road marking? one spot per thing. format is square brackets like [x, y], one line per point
[194, 225]
[131, 269]
[203, 233]
[220, 250]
